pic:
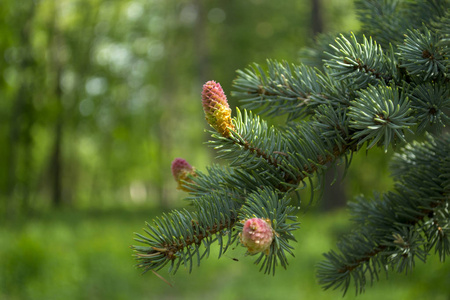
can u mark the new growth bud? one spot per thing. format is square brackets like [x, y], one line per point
[257, 235]
[181, 170]
[216, 108]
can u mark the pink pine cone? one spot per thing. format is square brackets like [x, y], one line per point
[257, 235]
[216, 108]
[213, 96]
[181, 170]
[180, 166]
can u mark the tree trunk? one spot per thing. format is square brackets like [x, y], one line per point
[57, 164]
[20, 126]
[57, 67]
[334, 196]
[13, 149]
[316, 17]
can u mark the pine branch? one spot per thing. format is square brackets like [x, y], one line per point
[214, 218]
[424, 55]
[251, 137]
[273, 159]
[398, 226]
[363, 63]
[432, 103]
[381, 114]
[288, 156]
[388, 21]
[268, 205]
[284, 89]
[368, 93]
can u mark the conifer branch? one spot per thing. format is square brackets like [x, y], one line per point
[364, 63]
[283, 89]
[214, 218]
[371, 91]
[423, 54]
[398, 226]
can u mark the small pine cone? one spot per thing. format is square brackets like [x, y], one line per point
[257, 235]
[181, 170]
[216, 108]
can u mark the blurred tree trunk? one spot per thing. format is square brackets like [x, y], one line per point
[15, 132]
[57, 163]
[56, 160]
[316, 17]
[334, 196]
[18, 181]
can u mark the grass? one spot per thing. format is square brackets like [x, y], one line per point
[85, 255]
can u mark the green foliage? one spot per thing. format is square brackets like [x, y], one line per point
[431, 102]
[387, 21]
[384, 90]
[383, 121]
[94, 93]
[267, 205]
[205, 227]
[362, 63]
[424, 55]
[62, 255]
[278, 91]
[395, 228]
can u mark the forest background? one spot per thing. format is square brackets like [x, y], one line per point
[98, 97]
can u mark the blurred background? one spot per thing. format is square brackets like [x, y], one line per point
[97, 97]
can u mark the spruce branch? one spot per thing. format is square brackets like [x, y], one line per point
[432, 104]
[423, 54]
[289, 156]
[381, 19]
[388, 21]
[381, 114]
[363, 63]
[222, 196]
[395, 228]
[270, 205]
[176, 237]
[251, 137]
[286, 89]
[368, 93]
[443, 26]
[277, 92]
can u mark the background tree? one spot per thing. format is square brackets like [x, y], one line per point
[123, 79]
[91, 90]
[384, 87]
